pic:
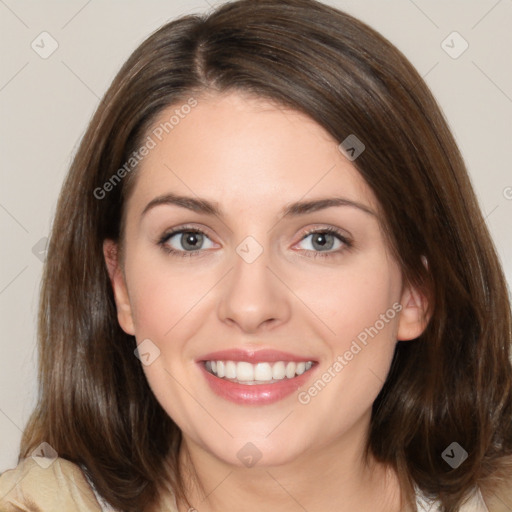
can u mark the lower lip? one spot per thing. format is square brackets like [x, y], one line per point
[256, 394]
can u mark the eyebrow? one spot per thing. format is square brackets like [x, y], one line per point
[295, 209]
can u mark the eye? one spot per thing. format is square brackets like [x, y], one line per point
[322, 241]
[188, 241]
[184, 241]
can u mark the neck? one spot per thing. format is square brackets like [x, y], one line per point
[333, 476]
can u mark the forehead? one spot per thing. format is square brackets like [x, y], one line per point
[241, 150]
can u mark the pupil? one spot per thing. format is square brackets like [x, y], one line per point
[321, 240]
[191, 240]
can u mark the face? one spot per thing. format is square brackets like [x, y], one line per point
[299, 307]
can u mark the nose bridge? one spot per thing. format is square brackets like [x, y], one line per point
[252, 295]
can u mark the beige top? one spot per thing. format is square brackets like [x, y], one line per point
[41, 484]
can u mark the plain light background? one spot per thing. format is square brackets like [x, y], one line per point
[45, 106]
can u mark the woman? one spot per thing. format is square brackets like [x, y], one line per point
[269, 285]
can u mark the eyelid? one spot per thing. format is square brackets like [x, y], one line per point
[339, 234]
[185, 227]
[343, 233]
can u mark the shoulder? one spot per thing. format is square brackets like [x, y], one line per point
[42, 484]
[478, 501]
[499, 499]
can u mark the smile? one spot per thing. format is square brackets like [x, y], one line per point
[256, 377]
[244, 372]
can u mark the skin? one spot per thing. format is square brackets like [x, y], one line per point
[254, 158]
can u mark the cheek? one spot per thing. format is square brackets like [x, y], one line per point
[353, 298]
[166, 306]
[362, 310]
[162, 293]
[361, 306]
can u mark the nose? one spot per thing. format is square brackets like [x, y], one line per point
[253, 297]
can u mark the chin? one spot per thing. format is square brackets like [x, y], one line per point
[255, 451]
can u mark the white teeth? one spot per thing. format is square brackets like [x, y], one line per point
[244, 371]
[278, 371]
[301, 368]
[290, 370]
[230, 369]
[248, 373]
[263, 371]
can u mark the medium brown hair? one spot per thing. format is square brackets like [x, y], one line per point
[452, 384]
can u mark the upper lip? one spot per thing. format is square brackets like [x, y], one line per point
[254, 356]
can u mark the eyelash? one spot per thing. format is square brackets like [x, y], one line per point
[315, 254]
[348, 244]
[183, 254]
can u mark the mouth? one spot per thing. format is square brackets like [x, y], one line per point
[249, 374]
[255, 377]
